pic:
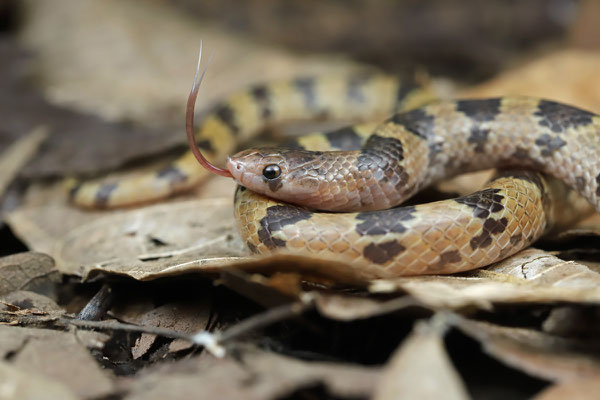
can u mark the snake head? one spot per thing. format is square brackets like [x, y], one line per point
[283, 174]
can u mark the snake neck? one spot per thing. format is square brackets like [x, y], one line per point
[420, 147]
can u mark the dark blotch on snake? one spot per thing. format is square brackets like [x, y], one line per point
[103, 194]
[479, 110]
[260, 93]
[239, 189]
[274, 184]
[73, 191]
[526, 175]
[483, 203]
[380, 153]
[405, 88]
[520, 154]
[252, 248]
[380, 253]
[479, 138]
[384, 221]
[298, 158]
[172, 174]
[355, 85]
[559, 117]
[580, 183]
[515, 239]
[490, 227]
[417, 122]
[434, 150]
[293, 144]
[344, 139]
[227, 115]
[549, 144]
[447, 257]
[275, 219]
[306, 86]
[205, 144]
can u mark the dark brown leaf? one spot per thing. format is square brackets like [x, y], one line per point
[27, 271]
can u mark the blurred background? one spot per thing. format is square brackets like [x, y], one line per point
[108, 79]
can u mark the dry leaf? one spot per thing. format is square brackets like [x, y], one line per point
[23, 384]
[64, 359]
[181, 317]
[13, 338]
[260, 376]
[26, 300]
[573, 321]
[536, 353]
[161, 239]
[578, 389]
[27, 271]
[421, 368]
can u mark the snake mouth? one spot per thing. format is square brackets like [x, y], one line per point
[238, 170]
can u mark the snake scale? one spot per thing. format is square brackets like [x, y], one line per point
[367, 170]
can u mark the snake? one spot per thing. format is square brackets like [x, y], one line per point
[337, 195]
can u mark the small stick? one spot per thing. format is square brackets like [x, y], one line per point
[98, 305]
[211, 341]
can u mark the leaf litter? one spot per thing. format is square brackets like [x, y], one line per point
[163, 283]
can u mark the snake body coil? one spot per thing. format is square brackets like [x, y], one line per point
[376, 167]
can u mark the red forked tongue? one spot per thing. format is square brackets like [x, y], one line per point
[189, 122]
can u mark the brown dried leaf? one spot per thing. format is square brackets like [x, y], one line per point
[421, 369]
[534, 352]
[46, 217]
[64, 359]
[181, 317]
[26, 271]
[20, 383]
[578, 389]
[573, 321]
[162, 239]
[13, 338]
[26, 300]
[261, 376]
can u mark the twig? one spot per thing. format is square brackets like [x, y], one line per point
[261, 320]
[98, 305]
[120, 326]
[211, 341]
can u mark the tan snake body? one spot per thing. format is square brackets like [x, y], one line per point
[375, 167]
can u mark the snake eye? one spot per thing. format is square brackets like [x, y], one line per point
[271, 171]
